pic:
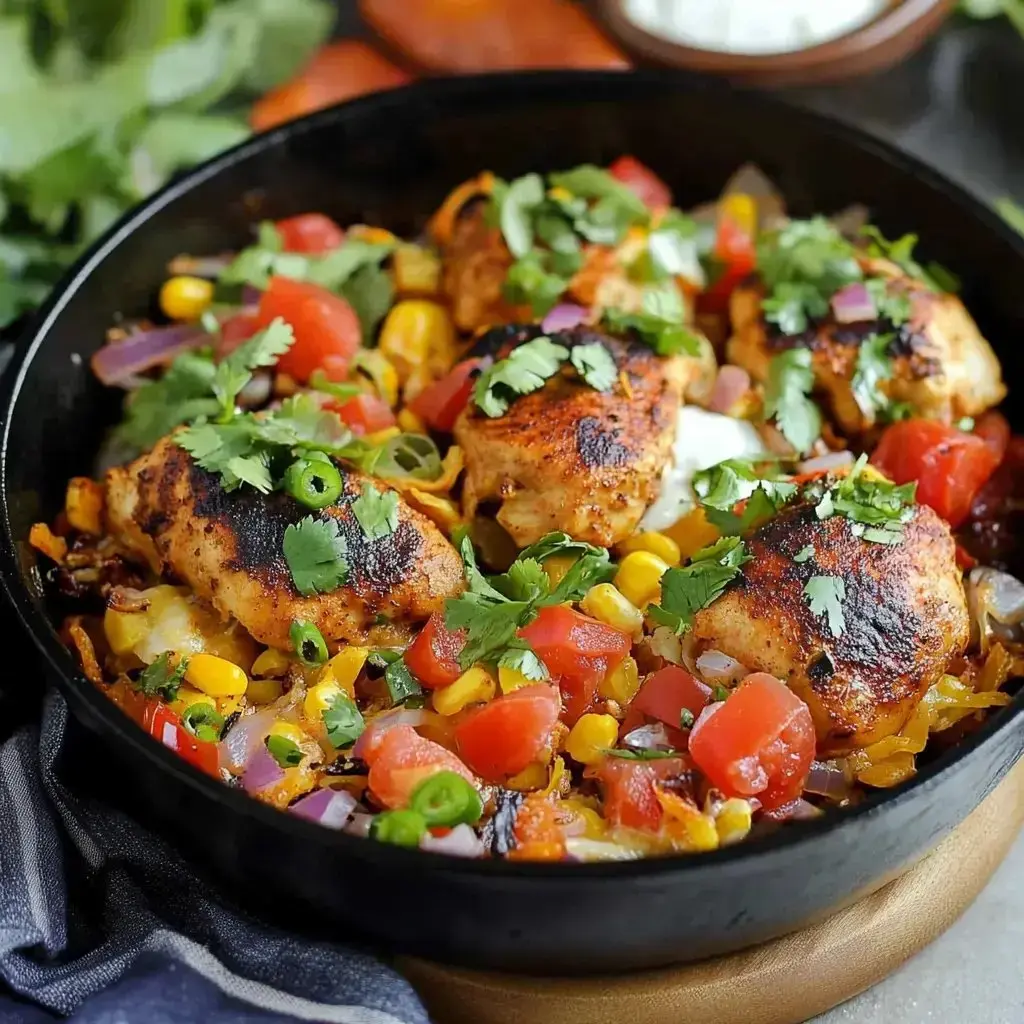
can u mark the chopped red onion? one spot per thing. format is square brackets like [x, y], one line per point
[564, 316]
[796, 810]
[373, 733]
[827, 778]
[329, 807]
[648, 737]
[853, 303]
[119, 361]
[261, 772]
[256, 391]
[360, 825]
[251, 295]
[462, 841]
[826, 463]
[244, 738]
[716, 667]
[731, 384]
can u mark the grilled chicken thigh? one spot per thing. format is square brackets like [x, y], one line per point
[228, 548]
[942, 366]
[905, 616]
[568, 457]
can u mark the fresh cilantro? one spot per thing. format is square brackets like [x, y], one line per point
[595, 365]
[235, 370]
[874, 365]
[942, 279]
[792, 305]
[527, 369]
[516, 203]
[315, 551]
[162, 679]
[660, 324]
[521, 657]
[876, 509]
[786, 398]
[400, 682]
[203, 721]
[341, 390]
[825, 595]
[685, 591]
[376, 511]
[343, 722]
[639, 753]
[804, 554]
[723, 486]
[590, 182]
[900, 251]
[370, 292]
[892, 304]
[591, 566]
[287, 753]
[532, 280]
[672, 249]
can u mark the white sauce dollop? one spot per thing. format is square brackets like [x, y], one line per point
[702, 439]
[751, 26]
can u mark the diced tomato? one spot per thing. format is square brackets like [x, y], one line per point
[365, 414]
[327, 331]
[734, 250]
[949, 466]
[669, 690]
[433, 657]
[964, 558]
[758, 743]
[642, 180]
[537, 830]
[440, 403]
[630, 797]
[312, 233]
[163, 724]
[402, 760]
[337, 72]
[578, 651]
[994, 430]
[506, 734]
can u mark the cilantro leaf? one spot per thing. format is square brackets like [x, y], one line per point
[825, 595]
[595, 365]
[686, 590]
[235, 370]
[160, 678]
[660, 324]
[892, 302]
[804, 554]
[876, 509]
[874, 365]
[790, 381]
[762, 505]
[315, 551]
[376, 511]
[370, 292]
[521, 657]
[490, 627]
[723, 486]
[532, 280]
[527, 369]
[900, 251]
[343, 721]
[640, 753]
[793, 304]
[591, 182]
[524, 581]
[672, 248]
[400, 681]
[287, 753]
[516, 205]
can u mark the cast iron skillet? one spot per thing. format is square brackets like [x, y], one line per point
[390, 159]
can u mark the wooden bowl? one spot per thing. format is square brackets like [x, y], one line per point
[887, 39]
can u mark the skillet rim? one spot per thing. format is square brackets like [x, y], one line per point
[521, 87]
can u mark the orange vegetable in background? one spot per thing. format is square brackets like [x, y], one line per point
[485, 35]
[339, 71]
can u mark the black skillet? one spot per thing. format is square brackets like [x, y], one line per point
[390, 159]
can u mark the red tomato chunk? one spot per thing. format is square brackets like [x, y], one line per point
[440, 403]
[642, 180]
[311, 233]
[402, 760]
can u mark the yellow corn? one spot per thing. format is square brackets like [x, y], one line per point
[272, 663]
[344, 668]
[436, 508]
[590, 737]
[557, 566]
[639, 577]
[660, 544]
[622, 683]
[264, 691]
[43, 539]
[186, 298]
[189, 695]
[472, 687]
[410, 422]
[594, 826]
[288, 731]
[84, 505]
[607, 604]
[533, 776]
[229, 705]
[510, 679]
[689, 827]
[692, 532]
[125, 629]
[378, 437]
[741, 209]
[416, 334]
[417, 270]
[367, 233]
[558, 192]
[320, 698]
[374, 365]
[216, 676]
[732, 823]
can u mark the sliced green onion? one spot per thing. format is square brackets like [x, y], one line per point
[343, 721]
[400, 682]
[316, 483]
[308, 642]
[686, 719]
[400, 828]
[412, 455]
[203, 721]
[720, 692]
[447, 799]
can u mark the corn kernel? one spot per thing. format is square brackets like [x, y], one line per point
[124, 630]
[687, 825]
[189, 695]
[344, 668]
[288, 731]
[379, 437]
[320, 698]
[417, 270]
[472, 687]
[594, 826]
[533, 776]
[264, 691]
[622, 683]
[438, 509]
[741, 209]
[639, 577]
[228, 705]
[559, 192]
[692, 532]
[216, 676]
[510, 679]
[590, 737]
[660, 544]
[733, 821]
[606, 604]
[84, 505]
[186, 298]
[409, 422]
[372, 364]
[272, 664]
[418, 333]
[557, 566]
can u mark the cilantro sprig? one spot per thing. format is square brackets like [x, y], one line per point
[787, 398]
[877, 510]
[376, 512]
[343, 721]
[316, 553]
[162, 678]
[660, 323]
[527, 369]
[757, 484]
[825, 596]
[235, 370]
[874, 366]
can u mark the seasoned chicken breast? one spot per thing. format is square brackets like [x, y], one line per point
[568, 457]
[942, 366]
[228, 548]
[904, 611]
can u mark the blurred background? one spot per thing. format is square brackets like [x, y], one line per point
[102, 101]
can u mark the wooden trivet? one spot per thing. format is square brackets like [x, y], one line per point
[785, 981]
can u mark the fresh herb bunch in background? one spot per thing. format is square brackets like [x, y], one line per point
[101, 101]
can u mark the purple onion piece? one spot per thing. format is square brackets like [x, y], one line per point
[563, 317]
[329, 807]
[262, 772]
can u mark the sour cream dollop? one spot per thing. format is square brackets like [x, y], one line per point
[702, 440]
[752, 26]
